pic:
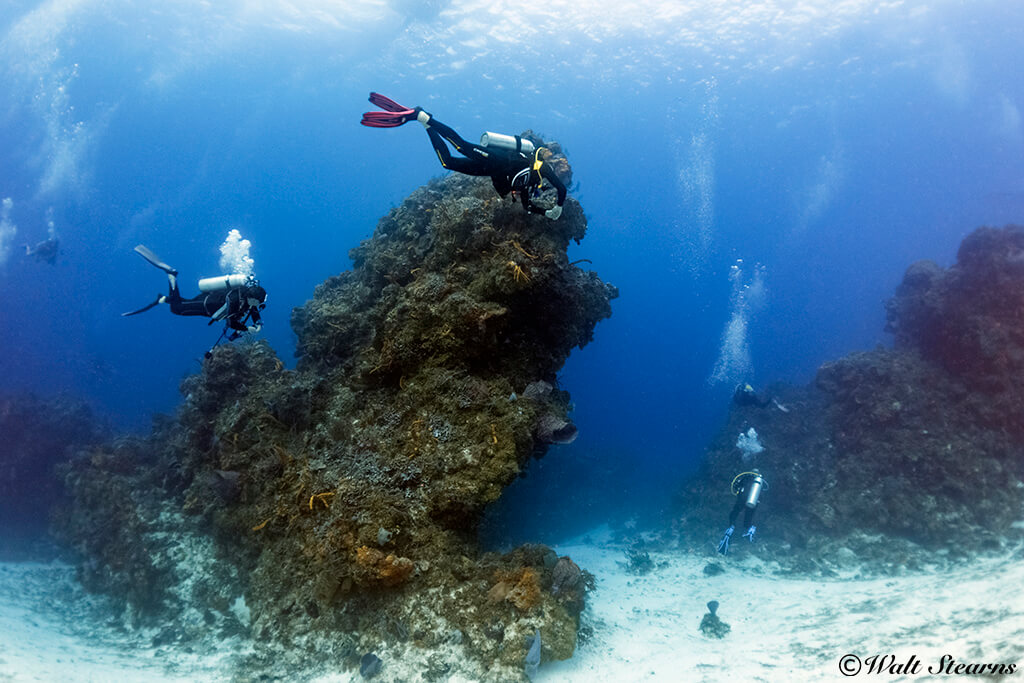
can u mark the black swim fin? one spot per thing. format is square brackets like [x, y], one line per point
[160, 298]
[145, 253]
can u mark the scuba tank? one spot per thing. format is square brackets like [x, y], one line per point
[222, 282]
[509, 142]
[754, 490]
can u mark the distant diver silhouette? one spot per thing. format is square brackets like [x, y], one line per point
[746, 396]
[514, 164]
[45, 251]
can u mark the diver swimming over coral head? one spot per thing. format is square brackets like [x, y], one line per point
[747, 487]
[515, 164]
[236, 299]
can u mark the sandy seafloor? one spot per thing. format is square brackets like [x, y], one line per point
[645, 627]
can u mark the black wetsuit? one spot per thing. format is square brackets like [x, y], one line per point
[210, 305]
[741, 504]
[746, 396]
[510, 170]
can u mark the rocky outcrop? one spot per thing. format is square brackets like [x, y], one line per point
[345, 494]
[893, 457]
[969, 319]
[37, 435]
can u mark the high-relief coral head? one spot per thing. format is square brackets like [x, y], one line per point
[552, 429]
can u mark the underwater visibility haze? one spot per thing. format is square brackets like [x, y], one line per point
[749, 183]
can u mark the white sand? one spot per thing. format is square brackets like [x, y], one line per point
[787, 629]
[646, 627]
[49, 632]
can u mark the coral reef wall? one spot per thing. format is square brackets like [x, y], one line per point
[899, 456]
[35, 436]
[969, 319]
[347, 493]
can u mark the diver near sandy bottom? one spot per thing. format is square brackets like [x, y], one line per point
[514, 164]
[236, 299]
[747, 487]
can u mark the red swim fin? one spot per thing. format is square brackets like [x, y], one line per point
[393, 116]
[387, 119]
[386, 103]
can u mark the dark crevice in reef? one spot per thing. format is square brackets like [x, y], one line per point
[342, 498]
[36, 436]
[893, 458]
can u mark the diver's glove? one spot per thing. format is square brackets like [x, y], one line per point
[255, 328]
[750, 533]
[723, 545]
[554, 212]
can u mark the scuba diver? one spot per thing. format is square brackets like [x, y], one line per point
[747, 487]
[236, 299]
[45, 251]
[514, 164]
[746, 396]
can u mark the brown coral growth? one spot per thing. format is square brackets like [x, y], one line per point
[387, 570]
[521, 588]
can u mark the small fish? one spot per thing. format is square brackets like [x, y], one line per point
[369, 665]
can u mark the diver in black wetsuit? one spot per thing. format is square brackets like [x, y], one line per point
[747, 487]
[237, 300]
[513, 164]
[746, 396]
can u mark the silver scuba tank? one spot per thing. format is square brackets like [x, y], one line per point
[222, 282]
[501, 141]
[754, 491]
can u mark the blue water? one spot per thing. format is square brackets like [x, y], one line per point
[827, 145]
